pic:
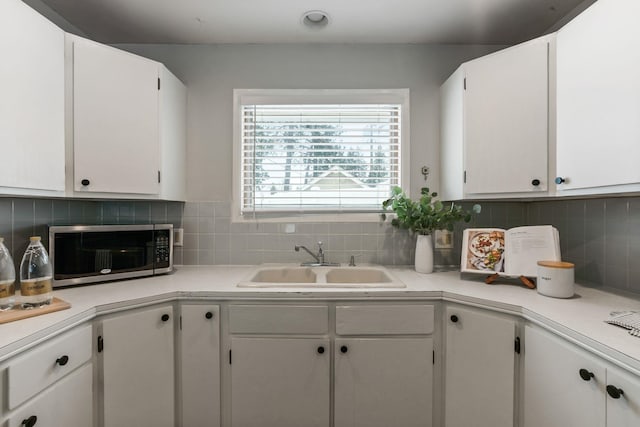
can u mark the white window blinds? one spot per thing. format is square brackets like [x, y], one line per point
[322, 157]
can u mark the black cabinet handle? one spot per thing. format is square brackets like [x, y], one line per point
[30, 422]
[320, 349]
[165, 317]
[85, 182]
[344, 349]
[560, 180]
[454, 318]
[585, 375]
[535, 182]
[614, 392]
[208, 315]
[62, 360]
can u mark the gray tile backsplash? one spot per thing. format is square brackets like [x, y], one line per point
[21, 218]
[601, 236]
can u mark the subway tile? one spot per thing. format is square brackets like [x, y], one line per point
[221, 242]
[190, 257]
[321, 229]
[237, 243]
[222, 209]
[221, 257]
[23, 212]
[206, 241]
[6, 213]
[76, 209]
[174, 213]
[159, 213]
[335, 242]
[190, 224]
[125, 213]
[190, 240]
[353, 243]
[206, 225]
[178, 256]
[43, 211]
[616, 218]
[221, 225]
[142, 212]
[255, 242]
[205, 257]
[616, 276]
[92, 213]
[110, 212]
[190, 209]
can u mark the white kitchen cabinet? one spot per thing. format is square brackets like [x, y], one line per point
[280, 382]
[598, 136]
[199, 340]
[565, 385]
[67, 403]
[128, 125]
[137, 368]
[382, 382]
[494, 124]
[32, 109]
[480, 366]
[623, 398]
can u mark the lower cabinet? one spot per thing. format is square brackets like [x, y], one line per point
[286, 364]
[280, 382]
[199, 344]
[565, 385]
[137, 368]
[480, 366]
[381, 382]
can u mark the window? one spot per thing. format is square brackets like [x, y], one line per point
[318, 151]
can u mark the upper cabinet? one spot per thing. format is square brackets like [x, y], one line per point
[128, 125]
[598, 63]
[495, 129]
[32, 107]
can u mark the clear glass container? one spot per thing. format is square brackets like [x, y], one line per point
[35, 276]
[7, 278]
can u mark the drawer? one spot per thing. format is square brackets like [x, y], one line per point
[278, 319]
[69, 403]
[384, 319]
[40, 367]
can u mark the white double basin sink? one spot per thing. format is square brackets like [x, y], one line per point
[289, 276]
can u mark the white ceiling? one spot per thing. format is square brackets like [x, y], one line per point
[279, 21]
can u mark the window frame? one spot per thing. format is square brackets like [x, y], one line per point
[314, 96]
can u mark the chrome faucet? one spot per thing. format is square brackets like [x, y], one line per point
[319, 257]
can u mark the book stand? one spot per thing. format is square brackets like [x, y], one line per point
[529, 283]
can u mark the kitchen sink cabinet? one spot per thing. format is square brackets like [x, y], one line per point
[597, 100]
[128, 125]
[136, 359]
[382, 382]
[494, 124]
[565, 385]
[480, 366]
[32, 132]
[280, 382]
[199, 344]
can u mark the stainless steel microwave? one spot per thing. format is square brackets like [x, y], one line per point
[83, 254]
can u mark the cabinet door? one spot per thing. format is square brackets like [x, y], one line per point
[381, 382]
[623, 408]
[479, 369]
[67, 403]
[280, 382]
[200, 365]
[597, 97]
[555, 394]
[115, 120]
[506, 125]
[138, 368]
[32, 106]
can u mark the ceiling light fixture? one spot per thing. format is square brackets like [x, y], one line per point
[315, 19]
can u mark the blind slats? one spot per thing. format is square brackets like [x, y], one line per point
[319, 157]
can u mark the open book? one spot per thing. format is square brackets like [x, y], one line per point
[513, 252]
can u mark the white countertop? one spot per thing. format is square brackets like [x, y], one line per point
[579, 319]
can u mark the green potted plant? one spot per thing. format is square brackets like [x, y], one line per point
[423, 217]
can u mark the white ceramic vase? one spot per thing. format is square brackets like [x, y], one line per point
[424, 254]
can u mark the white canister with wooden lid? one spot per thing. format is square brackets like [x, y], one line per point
[556, 279]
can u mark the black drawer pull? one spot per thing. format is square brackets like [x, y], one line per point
[30, 422]
[614, 392]
[320, 349]
[209, 315]
[62, 360]
[454, 318]
[165, 317]
[585, 375]
[344, 349]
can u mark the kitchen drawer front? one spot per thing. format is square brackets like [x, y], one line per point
[384, 319]
[69, 403]
[35, 370]
[278, 319]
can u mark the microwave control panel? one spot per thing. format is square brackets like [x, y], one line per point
[163, 249]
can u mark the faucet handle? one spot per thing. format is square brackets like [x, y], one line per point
[320, 246]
